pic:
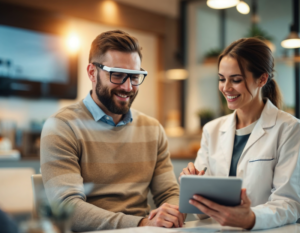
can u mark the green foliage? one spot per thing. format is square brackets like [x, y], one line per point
[213, 53]
[256, 31]
[205, 113]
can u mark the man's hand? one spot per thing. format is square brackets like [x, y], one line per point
[190, 170]
[238, 216]
[166, 215]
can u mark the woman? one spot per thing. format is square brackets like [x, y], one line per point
[258, 143]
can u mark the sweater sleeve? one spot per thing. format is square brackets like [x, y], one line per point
[164, 186]
[61, 172]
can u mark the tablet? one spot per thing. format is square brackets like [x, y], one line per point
[222, 190]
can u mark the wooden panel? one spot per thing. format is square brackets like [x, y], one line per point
[105, 12]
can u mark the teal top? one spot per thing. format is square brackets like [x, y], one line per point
[240, 141]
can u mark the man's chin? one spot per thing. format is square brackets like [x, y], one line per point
[122, 108]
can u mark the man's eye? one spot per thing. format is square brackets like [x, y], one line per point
[135, 77]
[118, 75]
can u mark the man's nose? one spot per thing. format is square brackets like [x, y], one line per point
[126, 86]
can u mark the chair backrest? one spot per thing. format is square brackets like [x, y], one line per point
[15, 190]
[38, 192]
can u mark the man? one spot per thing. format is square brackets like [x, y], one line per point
[101, 140]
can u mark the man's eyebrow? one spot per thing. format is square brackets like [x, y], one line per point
[231, 76]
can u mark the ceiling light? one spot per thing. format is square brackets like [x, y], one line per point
[221, 4]
[292, 41]
[73, 43]
[243, 7]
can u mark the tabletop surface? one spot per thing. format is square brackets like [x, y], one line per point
[207, 225]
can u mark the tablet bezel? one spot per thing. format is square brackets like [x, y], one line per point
[222, 190]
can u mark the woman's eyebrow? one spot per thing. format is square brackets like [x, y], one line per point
[231, 76]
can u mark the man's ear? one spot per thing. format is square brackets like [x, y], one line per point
[92, 72]
[263, 79]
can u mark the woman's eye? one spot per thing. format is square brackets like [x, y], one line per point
[237, 81]
[221, 79]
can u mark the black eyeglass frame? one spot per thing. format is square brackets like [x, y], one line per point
[128, 73]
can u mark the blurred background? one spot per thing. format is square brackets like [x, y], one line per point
[44, 47]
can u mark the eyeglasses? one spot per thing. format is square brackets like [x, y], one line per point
[119, 76]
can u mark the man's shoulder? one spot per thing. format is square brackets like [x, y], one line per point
[141, 119]
[71, 112]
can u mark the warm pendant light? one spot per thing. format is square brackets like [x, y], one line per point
[292, 41]
[221, 4]
[243, 7]
[177, 74]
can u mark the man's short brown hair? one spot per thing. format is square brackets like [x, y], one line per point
[113, 40]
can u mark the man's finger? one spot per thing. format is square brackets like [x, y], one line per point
[152, 214]
[174, 211]
[166, 224]
[172, 219]
[181, 219]
[171, 206]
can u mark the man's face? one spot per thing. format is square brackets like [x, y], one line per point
[117, 99]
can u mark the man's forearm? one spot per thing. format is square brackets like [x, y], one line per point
[88, 217]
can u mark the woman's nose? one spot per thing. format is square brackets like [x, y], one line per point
[227, 86]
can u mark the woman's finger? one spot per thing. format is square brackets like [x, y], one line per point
[208, 203]
[191, 168]
[201, 173]
[186, 171]
[245, 199]
[206, 210]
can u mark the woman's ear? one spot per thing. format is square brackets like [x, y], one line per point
[263, 79]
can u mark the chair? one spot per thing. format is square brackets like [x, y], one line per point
[38, 192]
[15, 190]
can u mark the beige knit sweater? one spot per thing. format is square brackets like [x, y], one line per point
[122, 162]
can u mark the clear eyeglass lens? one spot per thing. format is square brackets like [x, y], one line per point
[135, 79]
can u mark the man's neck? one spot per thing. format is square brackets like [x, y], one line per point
[116, 117]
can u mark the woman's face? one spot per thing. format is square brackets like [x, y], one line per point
[233, 87]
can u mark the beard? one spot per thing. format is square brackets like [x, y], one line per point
[105, 96]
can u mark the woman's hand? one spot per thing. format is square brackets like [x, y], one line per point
[238, 216]
[190, 170]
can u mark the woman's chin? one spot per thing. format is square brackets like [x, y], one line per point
[232, 106]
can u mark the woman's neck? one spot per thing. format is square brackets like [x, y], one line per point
[248, 115]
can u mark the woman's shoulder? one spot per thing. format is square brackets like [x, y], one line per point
[217, 123]
[287, 120]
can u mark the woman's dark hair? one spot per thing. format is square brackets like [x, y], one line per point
[254, 55]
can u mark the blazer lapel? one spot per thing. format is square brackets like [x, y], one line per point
[267, 120]
[227, 140]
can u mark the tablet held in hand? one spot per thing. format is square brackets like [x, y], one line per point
[222, 190]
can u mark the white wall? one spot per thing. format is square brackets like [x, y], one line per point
[202, 84]
[22, 111]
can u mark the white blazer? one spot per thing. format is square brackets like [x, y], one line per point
[269, 164]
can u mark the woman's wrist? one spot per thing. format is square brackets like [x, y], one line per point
[251, 221]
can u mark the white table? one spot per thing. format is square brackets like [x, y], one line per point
[207, 225]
